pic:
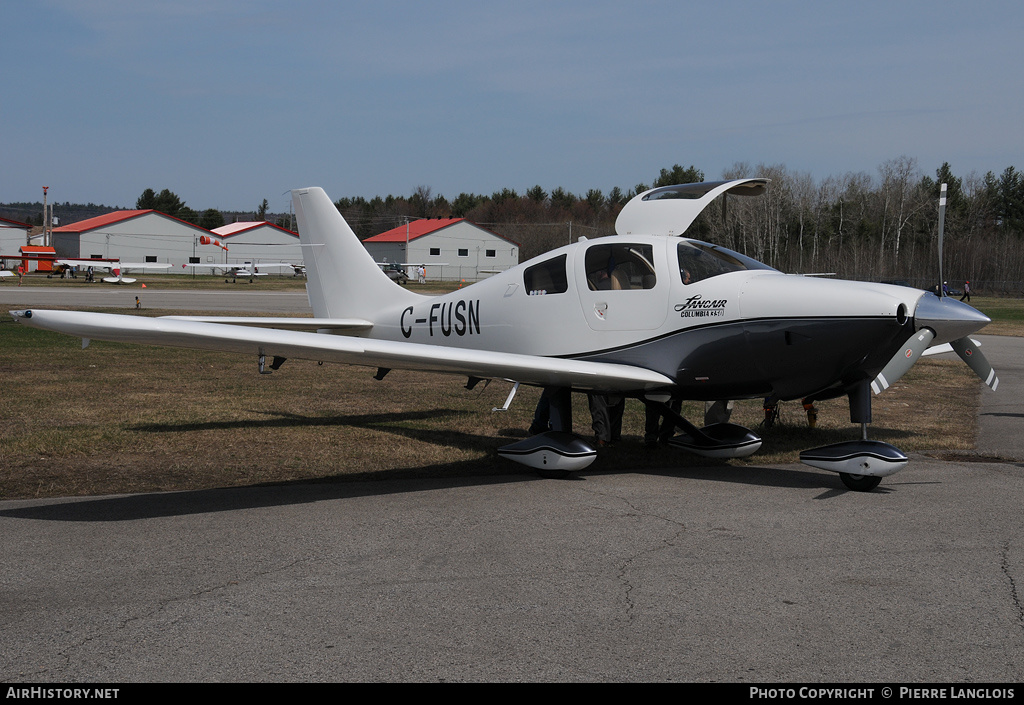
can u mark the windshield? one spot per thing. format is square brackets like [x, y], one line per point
[699, 260]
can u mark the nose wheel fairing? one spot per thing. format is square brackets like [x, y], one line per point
[858, 458]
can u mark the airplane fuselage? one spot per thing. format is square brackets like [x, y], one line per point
[721, 325]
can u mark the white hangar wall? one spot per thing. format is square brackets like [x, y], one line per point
[12, 236]
[151, 236]
[147, 237]
[388, 252]
[458, 252]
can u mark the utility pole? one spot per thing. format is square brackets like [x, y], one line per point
[405, 255]
[46, 220]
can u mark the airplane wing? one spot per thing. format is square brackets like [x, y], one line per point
[484, 364]
[95, 264]
[113, 264]
[413, 264]
[243, 265]
[289, 323]
[269, 265]
[246, 269]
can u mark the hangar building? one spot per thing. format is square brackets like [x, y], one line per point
[132, 236]
[453, 249]
[152, 236]
[13, 235]
[258, 241]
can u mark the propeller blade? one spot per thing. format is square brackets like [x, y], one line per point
[903, 360]
[969, 353]
[942, 219]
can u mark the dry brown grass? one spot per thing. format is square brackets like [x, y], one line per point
[122, 419]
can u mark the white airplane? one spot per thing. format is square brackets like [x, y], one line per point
[116, 267]
[644, 313]
[248, 269]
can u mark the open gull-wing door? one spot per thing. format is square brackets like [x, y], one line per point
[669, 210]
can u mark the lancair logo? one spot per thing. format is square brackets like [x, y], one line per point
[698, 307]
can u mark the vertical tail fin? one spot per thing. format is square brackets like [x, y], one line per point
[343, 281]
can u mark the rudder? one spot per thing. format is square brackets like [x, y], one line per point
[343, 281]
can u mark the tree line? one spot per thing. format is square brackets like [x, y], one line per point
[166, 201]
[170, 203]
[870, 227]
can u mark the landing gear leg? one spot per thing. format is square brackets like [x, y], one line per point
[860, 483]
[559, 412]
[720, 440]
[860, 412]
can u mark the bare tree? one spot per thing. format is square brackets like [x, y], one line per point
[900, 192]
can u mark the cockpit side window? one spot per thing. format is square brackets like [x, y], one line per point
[626, 267]
[547, 277]
[699, 260]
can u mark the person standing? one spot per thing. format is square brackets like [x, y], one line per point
[967, 291]
[606, 416]
[554, 411]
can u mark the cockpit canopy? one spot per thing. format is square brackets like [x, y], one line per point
[625, 266]
[700, 260]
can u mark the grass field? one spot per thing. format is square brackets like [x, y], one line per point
[117, 418]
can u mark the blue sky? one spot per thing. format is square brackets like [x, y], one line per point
[227, 103]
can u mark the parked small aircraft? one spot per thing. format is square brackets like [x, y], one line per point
[248, 270]
[117, 268]
[644, 313]
[399, 271]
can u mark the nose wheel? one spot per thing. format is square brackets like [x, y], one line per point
[859, 483]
